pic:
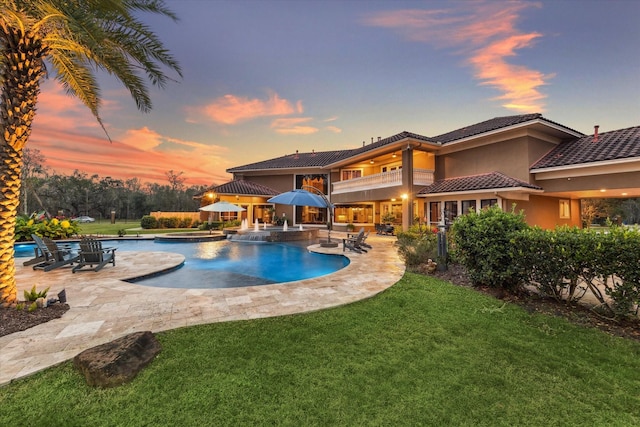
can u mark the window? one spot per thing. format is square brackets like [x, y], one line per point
[467, 206]
[318, 181]
[434, 212]
[565, 209]
[309, 214]
[263, 213]
[451, 210]
[485, 203]
[350, 174]
[360, 213]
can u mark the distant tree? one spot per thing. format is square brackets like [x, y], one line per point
[631, 211]
[32, 168]
[77, 38]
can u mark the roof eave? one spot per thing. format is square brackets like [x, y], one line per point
[585, 165]
[275, 168]
[485, 190]
[555, 126]
[394, 146]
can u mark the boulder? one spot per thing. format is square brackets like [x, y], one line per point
[118, 361]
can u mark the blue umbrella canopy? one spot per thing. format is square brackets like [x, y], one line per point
[299, 198]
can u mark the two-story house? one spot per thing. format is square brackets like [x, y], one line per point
[540, 166]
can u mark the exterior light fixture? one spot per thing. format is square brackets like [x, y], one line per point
[371, 161]
[405, 196]
[603, 190]
[393, 155]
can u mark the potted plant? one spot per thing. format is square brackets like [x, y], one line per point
[388, 218]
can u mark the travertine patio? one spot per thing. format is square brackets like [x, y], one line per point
[104, 307]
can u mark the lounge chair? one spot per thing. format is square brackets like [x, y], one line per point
[386, 229]
[41, 253]
[56, 256]
[93, 254]
[364, 238]
[354, 243]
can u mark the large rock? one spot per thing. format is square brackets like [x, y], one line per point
[118, 361]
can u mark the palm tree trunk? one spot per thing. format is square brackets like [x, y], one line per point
[9, 199]
[21, 69]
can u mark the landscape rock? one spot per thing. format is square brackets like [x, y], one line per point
[118, 361]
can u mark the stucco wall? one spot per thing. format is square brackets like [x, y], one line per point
[545, 211]
[513, 157]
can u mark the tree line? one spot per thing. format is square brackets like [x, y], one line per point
[83, 194]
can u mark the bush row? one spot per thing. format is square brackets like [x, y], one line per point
[417, 245]
[149, 222]
[499, 249]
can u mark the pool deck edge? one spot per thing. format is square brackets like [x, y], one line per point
[104, 307]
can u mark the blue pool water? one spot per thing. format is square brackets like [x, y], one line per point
[225, 264]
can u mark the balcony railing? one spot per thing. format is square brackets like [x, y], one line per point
[382, 180]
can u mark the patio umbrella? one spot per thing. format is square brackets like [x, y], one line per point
[221, 206]
[299, 198]
[303, 198]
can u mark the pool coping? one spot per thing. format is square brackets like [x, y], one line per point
[104, 307]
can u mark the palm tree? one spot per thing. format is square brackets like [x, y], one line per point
[71, 39]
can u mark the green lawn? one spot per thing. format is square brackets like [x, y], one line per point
[424, 352]
[131, 227]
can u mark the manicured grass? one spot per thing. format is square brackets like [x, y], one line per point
[105, 227]
[424, 352]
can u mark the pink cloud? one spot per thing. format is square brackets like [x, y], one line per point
[231, 109]
[486, 34]
[70, 139]
[293, 126]
[333, 129]
[143, 138]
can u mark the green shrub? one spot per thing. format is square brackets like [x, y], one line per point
[566, 262]
[558, 261]
[234, 223]
[621, 258]
[55, 228]
[213, 225]
[168, 222]
[185, 222]
[482, 243]
[417, 245]
[34, 294]
[149, 222]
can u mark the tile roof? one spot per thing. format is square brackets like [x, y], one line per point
[487, 181]
[241, 187]
[324, 158]
[617, 144]
[395, 138]
[491, 125]
[296, 160]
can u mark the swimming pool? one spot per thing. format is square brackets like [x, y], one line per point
[224, 264]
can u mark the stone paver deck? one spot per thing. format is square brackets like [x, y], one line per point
[104, 307]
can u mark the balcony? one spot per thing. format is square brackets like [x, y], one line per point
[382, 180]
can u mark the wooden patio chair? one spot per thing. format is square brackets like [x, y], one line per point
[364, 238]
[93, 254]
[354, 243]
[55, 256]
[40, 252]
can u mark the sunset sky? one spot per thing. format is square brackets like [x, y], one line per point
[266, 78]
